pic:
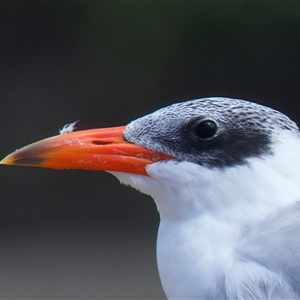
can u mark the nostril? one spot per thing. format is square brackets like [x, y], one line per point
[101, 143]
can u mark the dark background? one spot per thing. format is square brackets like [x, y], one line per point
[80, 234]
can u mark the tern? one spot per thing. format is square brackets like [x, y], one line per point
[225, 176]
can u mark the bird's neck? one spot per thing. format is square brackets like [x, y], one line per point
[242, 194]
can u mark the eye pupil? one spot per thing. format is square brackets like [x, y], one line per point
[206, 129]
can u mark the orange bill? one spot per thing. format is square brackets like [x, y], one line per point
[93, 149]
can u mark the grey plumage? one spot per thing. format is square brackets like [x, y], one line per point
[244, 130]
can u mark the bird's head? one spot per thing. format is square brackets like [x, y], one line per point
[182, 144]
[212, 132]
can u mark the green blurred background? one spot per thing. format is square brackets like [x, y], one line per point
[80, 234]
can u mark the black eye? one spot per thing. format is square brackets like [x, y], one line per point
[206, 129]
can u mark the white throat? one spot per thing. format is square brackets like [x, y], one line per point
[204, 212]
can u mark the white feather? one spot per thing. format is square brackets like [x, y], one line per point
[68, 128]
[207, 215]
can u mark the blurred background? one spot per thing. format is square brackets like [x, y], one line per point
[80, 234]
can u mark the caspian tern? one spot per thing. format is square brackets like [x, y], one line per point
[225, 176]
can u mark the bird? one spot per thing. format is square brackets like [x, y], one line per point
[225, 176]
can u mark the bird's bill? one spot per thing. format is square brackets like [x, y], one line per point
[93, 149]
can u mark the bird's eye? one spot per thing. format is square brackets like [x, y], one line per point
[206, 129]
